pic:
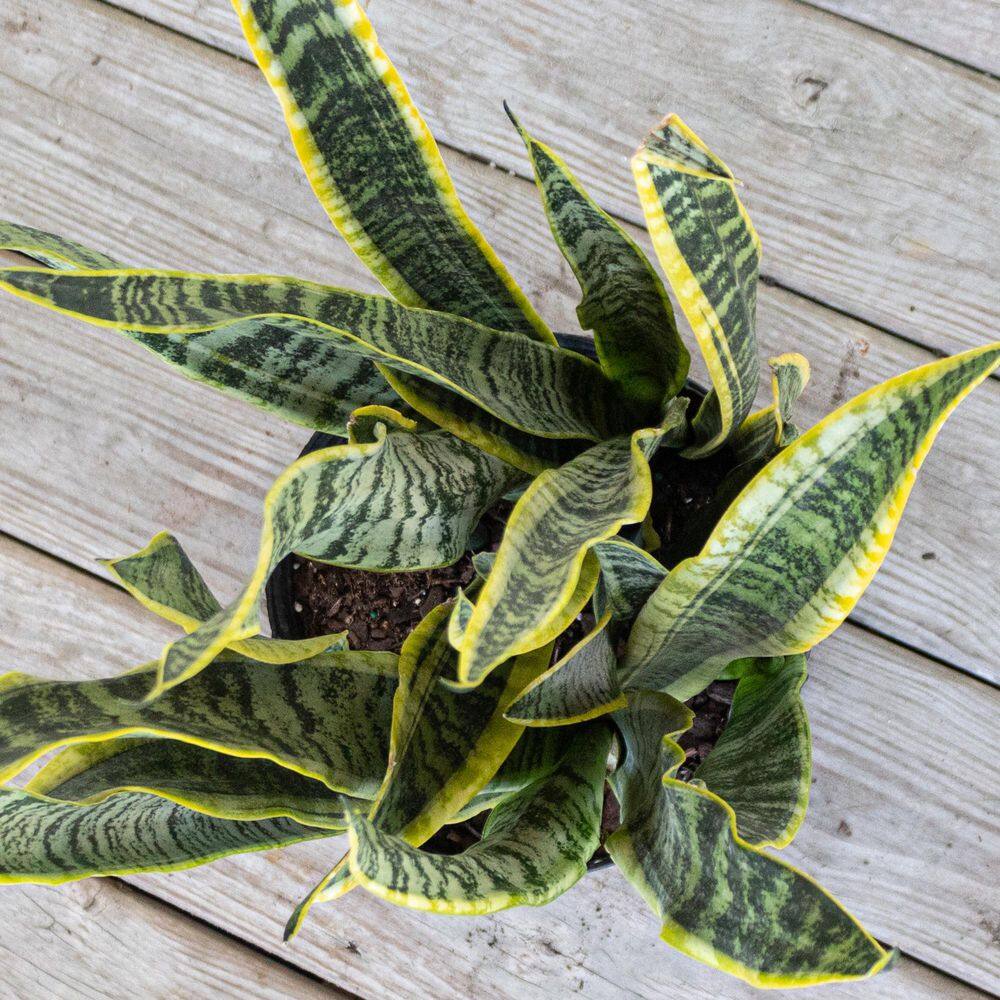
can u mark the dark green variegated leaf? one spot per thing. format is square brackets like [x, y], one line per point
[534, 590]
[373, 163]
[629, 575]
[445, 744]
[535, 845]
[624, 301]
[790, 558]
[389, 498]
[763, 433]
[304, 379]
[162, 578]
[209, 782]
[536, 388]
[710, 253]
[582, 685]
[46, 841]
[327, 718]
[762, 764]
[720, 900]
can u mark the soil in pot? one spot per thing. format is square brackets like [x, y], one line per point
[379, 610]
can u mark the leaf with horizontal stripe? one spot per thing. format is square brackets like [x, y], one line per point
[720, 900]
[50, 842]
[326, 718]
[761, 765]
[534, 589]
[445, 745]
[374, 165]
[629, 575]
[624, 301]
[710, 253]
[304, 379]
[204, 780]
[763, 433]
[580, 686]
[390, 498]
[535, 845]
[791, 556]
[538, 389]
[163, 579]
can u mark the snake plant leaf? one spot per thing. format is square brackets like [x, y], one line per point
[629, 575]
[762, 764]
[710, 252]
[445, 745]
[580, 686]
[535, 844]
[308, 381]
[389, 498]
[720, 900]
[828, 505]
[763, 433]
[163, 579]
[327, 718]
[373, 163]
[203, 780]
[624, 301]
[535, 588]
[48, 842]
[536, 388]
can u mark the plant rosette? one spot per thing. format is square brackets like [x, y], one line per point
[536, 485]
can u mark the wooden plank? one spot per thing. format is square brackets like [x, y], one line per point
[911, 854]
[126, 155]
[965, 30]
[101, 939]
[865, 198]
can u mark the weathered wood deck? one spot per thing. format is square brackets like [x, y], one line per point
[867, 137]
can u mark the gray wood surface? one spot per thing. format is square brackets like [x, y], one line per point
[868, 164]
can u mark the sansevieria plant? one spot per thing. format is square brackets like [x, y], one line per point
[451, 394]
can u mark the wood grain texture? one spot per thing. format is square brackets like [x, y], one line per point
[965, 30]
[100, 939]
[866, 162]
[107, 146]
[914, 856]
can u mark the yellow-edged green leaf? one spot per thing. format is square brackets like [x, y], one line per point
[582, 685]
[624, 301]
[46, 841]
[763, 433]
[720, 900]
[710, 253]
[762, 763]
[535, 845]
[217, 784]
[539, 390]
[373, 163]
[629, 575]
[308, 380]
[163, 579]
[445, 745]
[791, 556]
[535, 588]
[389, 498]
[326, 718]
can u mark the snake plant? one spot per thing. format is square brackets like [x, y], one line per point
[449, 395]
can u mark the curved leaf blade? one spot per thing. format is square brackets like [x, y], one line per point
[827, 504]
[535, 845]
[327, 718]
[203, 780]
[306, 380]
[581, 686]
[373, 163]
[624, 301]
[49, 842]
[710, 252]
[533, 591]
[536, 388]
[629, 575]
[722, 901]
[761, 765]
